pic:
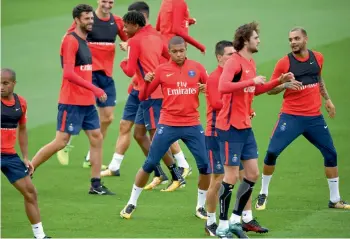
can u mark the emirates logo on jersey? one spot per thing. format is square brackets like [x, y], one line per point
[86, 68]
[182, 89]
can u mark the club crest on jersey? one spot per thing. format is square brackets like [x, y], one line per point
[191, 73]
[283, 126]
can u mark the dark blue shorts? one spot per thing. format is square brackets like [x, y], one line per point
[73, 118]
[149, 113]
[106, 83]
[13, 167]
[236, 145]
[313, 128]
[131, 106]
[215, 159]
[165, 136]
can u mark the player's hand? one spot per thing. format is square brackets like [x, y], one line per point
[293, 85]
[286, 77]
[29, 165]
[149, 76]
[330, 108]
[259, 80]
[123, 46]
[192, 21]
[252, 114]
[202, 87]
[103, 98]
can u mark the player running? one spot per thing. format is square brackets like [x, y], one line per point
[76, 105]
[179, 119]
[101, 41]
[128, 120]
[174, 20]
[223, 51]
[301, 115]
[13, 117]
[239, 83]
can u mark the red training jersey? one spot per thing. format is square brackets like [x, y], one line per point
[74, 51]
[174, 19]
[179, 85]
[306, 101]
[9, 135]
[214, 102]
[237, 84]
[145, 50]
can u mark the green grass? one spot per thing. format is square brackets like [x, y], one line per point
[31, 35]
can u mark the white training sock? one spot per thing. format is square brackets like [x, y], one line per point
[87, 158]
[265, 184]
[235, 219]
[202, 195]
[135, 193]
[223, 224]
[247, 216]
[334, 194]
[116, 162]
[180, 160]
[38, 231]
[211, 218]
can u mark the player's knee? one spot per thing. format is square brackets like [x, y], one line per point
[331, 159]
[270, 158]
[205, 170]
[96, 138]
[139, 136]
[252, 175]
[30, 195]
[149, 166]
[125, 126]
[107, 119]
[61, 142]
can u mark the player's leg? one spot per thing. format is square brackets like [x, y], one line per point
[63, 154]
[318, 134]
[180, 158]
[217, 175]
[194, 139]
[124, 137]
[91, 126]
[286, 130]
[164, 137]
[69, 122]
[248, 222]
[17, 173]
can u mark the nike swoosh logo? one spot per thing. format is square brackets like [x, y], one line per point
[168, 75]
[100, 193]
[326, 127]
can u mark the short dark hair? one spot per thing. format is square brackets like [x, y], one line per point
[176, 40]
[79, 9]
[9, 71]
[302, 30]
[139, 7]
[220, 47]
[134, 17]
[243, 33]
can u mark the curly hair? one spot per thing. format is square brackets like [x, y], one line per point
[135, 18]
[243, 33]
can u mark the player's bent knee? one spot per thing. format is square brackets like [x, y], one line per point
[149, 166]
[125, 126]
[331, 159]
[30, 195]
[107, 119]
[270, 158]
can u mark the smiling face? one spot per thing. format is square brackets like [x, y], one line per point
[297, 41]
[105, 6]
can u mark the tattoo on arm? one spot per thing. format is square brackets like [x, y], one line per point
[323, 89]
[276, 90]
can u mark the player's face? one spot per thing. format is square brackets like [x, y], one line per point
[86, 21]
[178, 53]
[228, 51]
[130, 29]
[297, 41]
[7, 85]
[254, 42]
[105, 5]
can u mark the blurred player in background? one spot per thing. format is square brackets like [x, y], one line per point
[301, 115]
[101, 41]
[13, 117]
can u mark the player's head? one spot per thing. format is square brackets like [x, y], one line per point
[105, 5]
[177, 49]
[8, 81]
[133, 22]
[247, 36]
[223, 51]
[298, 39]
[140, 7]
[83, 17]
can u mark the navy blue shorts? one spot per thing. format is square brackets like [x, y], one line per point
[131, 106]
[13, 167]
[313, 128]
[149, 113]
[236, 145]
[73, 118]
[106, 83]
[165, 136]
[215, 159]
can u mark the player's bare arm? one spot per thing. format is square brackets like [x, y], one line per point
[23, 144]
[329, 104]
